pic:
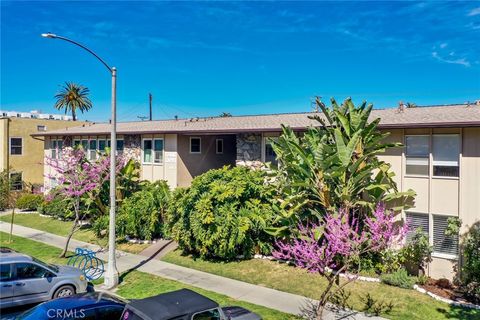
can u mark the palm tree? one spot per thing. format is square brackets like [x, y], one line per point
[73, 97]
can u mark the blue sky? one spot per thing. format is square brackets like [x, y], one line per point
[204, 58]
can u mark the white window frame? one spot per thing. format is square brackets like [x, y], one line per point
[216, 146]
[10, 146]
[142, 147]
[163, 151]
[89, 150]
[439, 163]
[41, 126]
[200, 145]
[21, 179]
[429, 164]
[58, 152]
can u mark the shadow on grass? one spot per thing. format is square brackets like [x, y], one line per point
[456, 312]
[125, 273]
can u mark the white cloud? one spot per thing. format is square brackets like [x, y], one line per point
[474, 12]
[461, 61]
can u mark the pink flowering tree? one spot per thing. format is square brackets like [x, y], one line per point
[332, 247]
[79, 180]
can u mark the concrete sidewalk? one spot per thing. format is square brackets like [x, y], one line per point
[270, 298]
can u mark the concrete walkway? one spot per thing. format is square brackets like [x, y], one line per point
[159, 249]
[270, 298]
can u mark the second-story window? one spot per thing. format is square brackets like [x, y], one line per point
[195, 145]
[16, 146]
[445, 155]
[417, 155]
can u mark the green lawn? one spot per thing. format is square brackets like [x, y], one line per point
[135, 284]
[409, 304]
[62, 228]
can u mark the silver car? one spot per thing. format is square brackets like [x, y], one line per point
[24, 280]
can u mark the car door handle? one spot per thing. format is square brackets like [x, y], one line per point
[20, 284]
[7, 286]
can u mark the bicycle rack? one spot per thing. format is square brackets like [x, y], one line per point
[87, 261]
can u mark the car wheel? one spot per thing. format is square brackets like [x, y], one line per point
[64, 291]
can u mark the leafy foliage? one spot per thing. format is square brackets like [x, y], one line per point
[399, 278]
[223, 214]
[334, 165]
[4, 189]
[417, 252]
[376, 307]
[73, 97]
[471, 256]
[28, 201]
[142, 214]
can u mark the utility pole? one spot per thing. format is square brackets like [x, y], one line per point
[150, 100]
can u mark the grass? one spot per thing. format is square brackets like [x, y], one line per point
[62, 228]
[409, 304]
[136, 284]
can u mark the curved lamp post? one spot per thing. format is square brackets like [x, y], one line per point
[111, 276]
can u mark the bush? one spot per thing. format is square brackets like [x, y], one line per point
[4, 189]
[471, 256]
[399, 278]
[141, 215]
[223, 214]
[100, 225]
[57, 207]
[417, 252]
[28, 201]
[472, 292]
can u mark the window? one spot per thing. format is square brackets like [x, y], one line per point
[158, 148]
[415, 221]
[76, 143]
[219, 146]
[446, 151]
[30, 271]
[16, 146]
[92, 150]
[147, 151]
[41, 128]
[441, 242]
[120, 146]
[5, 272]
[417, 155]
[270, 155]
[195, 145]
[56, 148]
[207, 315]
[85, 144]
[102, 144]
[16, 181]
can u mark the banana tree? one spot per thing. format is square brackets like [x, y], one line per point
[334, 165]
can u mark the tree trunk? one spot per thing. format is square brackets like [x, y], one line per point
[11, 225]
[74, 116]
[70, 235]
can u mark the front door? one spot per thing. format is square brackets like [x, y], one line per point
[6, 285]
[32, 283]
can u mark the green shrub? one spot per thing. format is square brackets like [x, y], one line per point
[417, 252]
[472, 292]
[471, 256]
[4, 189]
[100, 225]
[28, 201]
[399, 278]
[223, 214]
[57, 207]
[141, 215]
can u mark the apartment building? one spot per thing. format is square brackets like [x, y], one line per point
[20, 152]
[440, 159]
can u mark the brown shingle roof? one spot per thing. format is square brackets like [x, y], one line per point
[433, 116]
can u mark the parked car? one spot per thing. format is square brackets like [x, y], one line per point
[25, 280]
[87, 306]
[183, 304]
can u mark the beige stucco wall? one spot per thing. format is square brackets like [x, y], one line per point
[191, 165]
[443, 195]
[3, 143]
[30, 162]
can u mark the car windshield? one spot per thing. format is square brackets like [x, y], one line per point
[46, 265]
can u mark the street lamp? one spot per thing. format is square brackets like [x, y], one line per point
[111, 276]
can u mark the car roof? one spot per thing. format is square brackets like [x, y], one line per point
[83, 300]
[8, 255]
[172, 304]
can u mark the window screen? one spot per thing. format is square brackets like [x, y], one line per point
[441, 242]
[417, 155]
[446, 150]
[416, 221]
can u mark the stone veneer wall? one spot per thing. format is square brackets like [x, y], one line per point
[249, 150]
[132, 147]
